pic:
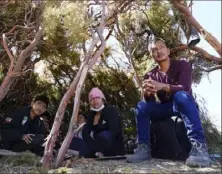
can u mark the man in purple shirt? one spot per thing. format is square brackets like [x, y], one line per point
[171, 82]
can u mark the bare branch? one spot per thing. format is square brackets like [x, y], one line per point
[99, 31]
[199, 50]
[28, 51]
[207, 36]
[213, 68]
[72, 123]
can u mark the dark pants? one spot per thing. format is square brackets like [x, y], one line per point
[102, 142]
[183, 104]
[80, 145]
[20, 146]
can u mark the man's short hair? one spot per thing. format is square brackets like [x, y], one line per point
[42, 98]
[154, 41]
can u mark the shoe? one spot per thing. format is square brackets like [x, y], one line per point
[142, 153]
[99, 155]
[198, 156]
[71, 153]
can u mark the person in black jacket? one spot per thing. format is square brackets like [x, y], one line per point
[103, 131]
[24, 130]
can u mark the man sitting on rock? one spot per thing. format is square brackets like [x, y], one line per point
[24, 130]
[171, 81]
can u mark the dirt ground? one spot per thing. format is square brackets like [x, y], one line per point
[120, 166]
[29, 163]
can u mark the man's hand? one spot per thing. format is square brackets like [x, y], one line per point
[160, 86]
[148, 87]
[27, 138]
[157, 85]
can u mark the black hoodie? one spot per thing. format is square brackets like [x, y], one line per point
[18, 123]
[109, 121]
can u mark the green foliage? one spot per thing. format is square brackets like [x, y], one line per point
[162, 22]
[66, 19]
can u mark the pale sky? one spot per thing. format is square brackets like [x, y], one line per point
[208, 14]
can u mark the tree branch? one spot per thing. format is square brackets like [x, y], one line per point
[212, 68]
[199, 50]
[12, 59]
[207, 36]
[28, 51]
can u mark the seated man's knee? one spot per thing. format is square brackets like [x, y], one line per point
[181, 97]
[141, 106]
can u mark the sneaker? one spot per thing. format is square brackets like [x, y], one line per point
[198, 156]
[99, 155]
[71, 153]
[142, 153]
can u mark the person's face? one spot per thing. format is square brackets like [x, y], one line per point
[159, 51]
[38, 107]
[96, 102]
[81, 119]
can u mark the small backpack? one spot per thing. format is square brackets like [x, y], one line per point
[169, 139]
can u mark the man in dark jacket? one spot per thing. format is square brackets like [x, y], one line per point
[24, 130]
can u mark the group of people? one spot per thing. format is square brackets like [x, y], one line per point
[100, 132]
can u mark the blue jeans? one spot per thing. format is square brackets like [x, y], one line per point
[182, 105]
